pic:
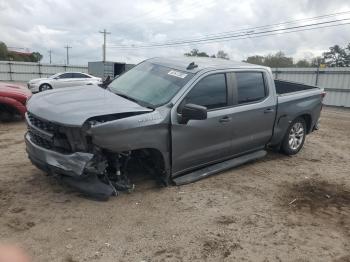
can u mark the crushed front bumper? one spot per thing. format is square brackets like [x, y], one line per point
[54, 162]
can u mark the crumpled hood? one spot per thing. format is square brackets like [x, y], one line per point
[73, 106]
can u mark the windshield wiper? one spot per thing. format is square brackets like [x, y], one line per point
[141, 103]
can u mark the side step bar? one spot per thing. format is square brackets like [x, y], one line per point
[216, 168]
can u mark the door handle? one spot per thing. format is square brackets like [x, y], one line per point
[225, 119]
[269, 110]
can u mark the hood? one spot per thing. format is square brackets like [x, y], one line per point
[17, 92]
[38, 80]
[73, 106]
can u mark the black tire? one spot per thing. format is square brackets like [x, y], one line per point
[44, 87]
[294, 138]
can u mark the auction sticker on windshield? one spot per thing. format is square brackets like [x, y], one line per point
[177, 74]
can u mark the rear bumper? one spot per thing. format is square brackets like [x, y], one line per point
[54, 162]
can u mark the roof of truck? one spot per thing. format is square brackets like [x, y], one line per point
[181, 63]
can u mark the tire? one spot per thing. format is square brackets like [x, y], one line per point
[294, 138]
[44, 87]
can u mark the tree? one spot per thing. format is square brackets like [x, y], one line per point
[337, 56]
[317, 61]
[272, 60]
[303, 63]
[36, 57]
[278, 60]
[222, 54]
[256, 59]
[3, 51]
[195, 52]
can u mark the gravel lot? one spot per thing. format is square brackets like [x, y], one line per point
[277, 209]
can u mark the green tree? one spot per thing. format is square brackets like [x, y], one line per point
[303, 63]
[272, 60]
[3, 51]
[195, 52]
[278, 60]
[256, 59]
[222, 54]
[337, 56]
[317, 61]
[36, 57]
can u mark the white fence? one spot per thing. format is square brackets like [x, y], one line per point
[24, 71]
[335, 81]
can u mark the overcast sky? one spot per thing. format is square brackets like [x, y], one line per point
[41, 25]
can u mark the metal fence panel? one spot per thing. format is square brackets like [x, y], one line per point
[335, 81]
[25, 71]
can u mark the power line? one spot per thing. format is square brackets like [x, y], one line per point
[67, 48]
[271, 34]
[320, 17]
[223, 37]
[105, 33]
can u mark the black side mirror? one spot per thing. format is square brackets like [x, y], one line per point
[192, 111]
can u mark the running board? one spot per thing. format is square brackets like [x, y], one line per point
[216, 168]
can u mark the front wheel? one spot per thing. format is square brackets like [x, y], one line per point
[294, 138]
[44, 87]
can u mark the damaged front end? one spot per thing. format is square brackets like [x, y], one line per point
[68, 152]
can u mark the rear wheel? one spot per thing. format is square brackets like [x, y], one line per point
[44, 87]
[294, 138]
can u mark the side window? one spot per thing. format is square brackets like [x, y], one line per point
[250, 87]
[210, 92]
[79, 75]
[65, 75]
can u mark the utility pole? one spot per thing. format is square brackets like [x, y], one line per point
[67, 47]
[50, 52]
[105, 33]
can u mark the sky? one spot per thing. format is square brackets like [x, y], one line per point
[41, 25]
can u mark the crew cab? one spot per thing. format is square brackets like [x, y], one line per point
[59, 80]
[182, 119]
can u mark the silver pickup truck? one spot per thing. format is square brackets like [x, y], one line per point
[178, 119]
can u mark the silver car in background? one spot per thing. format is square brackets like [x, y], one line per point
[59, 80]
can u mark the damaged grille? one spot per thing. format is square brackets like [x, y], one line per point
[43, 125]
[54, 137]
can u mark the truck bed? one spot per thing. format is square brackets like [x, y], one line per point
[285, 87]
[295, 99]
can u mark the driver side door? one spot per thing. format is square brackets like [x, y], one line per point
[201, 142]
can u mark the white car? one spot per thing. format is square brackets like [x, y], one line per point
[59, 80]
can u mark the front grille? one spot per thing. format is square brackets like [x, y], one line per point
[41, 124]
[48, 135]
[42, 142]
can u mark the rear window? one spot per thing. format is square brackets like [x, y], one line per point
[250, 87]
[79, 75]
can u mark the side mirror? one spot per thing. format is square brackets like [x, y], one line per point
[56, 78]
[194, 112]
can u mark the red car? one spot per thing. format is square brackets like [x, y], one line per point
[13, 100]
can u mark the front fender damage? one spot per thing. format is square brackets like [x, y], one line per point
[104, 175]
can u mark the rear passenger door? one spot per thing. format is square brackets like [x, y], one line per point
[254, 111]
[81, 79]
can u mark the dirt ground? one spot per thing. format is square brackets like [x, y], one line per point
[277, 209]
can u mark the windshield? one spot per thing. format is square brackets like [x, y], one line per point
[55, 75]
[150, 83]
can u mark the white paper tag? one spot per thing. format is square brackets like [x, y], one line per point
[177, 74]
